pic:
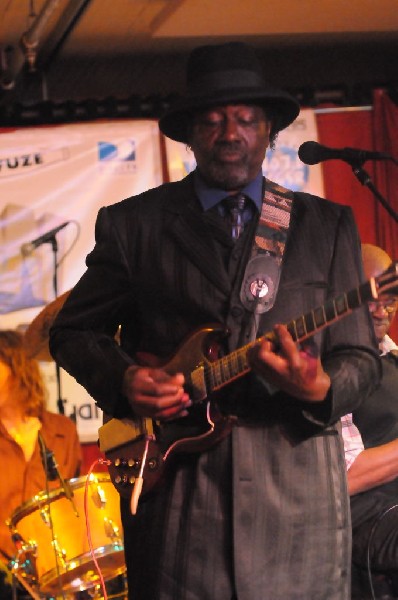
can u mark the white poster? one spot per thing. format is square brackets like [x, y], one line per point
[53, 180]
[281, 165]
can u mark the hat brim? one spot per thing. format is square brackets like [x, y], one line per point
[175, 123]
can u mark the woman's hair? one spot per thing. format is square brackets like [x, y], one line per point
[27, 384]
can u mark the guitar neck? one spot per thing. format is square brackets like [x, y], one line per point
[223, 371]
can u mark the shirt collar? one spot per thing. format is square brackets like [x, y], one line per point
[386, 345]
[210, 196]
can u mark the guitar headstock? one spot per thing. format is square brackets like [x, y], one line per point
[386, 284]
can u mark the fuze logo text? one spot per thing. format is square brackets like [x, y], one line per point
[18, 164]
[24, 160]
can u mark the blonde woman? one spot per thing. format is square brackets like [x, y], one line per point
[25, 428]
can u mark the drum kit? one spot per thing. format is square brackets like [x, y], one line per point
[67, 549]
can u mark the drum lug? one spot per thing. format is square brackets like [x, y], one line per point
[61, 554]
[45, 516]
[111, 530]
[99, 497]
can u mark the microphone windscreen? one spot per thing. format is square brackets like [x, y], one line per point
[308, 153]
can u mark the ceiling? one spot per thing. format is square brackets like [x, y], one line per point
[74, 49]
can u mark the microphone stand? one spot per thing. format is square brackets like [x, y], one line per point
[54, 246]
[364, 178]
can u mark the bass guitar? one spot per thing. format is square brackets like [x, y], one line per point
[138, 449]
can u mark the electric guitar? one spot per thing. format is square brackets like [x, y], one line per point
[137, 449]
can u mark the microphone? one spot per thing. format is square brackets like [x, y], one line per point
[312, 153]
[28, 247]
[50, 467]
[49, 464]
[48, 460]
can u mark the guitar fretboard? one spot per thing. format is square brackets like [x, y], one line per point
[232, 366]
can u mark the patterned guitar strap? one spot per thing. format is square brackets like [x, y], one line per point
[262, 274]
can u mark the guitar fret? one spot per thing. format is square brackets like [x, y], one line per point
[341, 304]
[309, 322]
[300, 327]
[235, 363]
[330, 310]
[319, 316]
[209, 378]
[217, 372]
[242, 360]
[354, 298]
[225, 369]
[291, 327]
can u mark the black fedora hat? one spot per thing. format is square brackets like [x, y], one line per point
[222, 74]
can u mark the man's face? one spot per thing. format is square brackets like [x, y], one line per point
[229, 144]
[383, 313]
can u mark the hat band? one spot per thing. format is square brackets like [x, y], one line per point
[225, 80]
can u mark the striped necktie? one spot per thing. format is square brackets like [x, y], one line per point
[235, 205]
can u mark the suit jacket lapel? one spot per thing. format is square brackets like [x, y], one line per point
[195, 236]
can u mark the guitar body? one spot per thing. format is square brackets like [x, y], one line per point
[126, 442]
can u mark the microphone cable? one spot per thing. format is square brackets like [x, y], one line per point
[88, 529]
[372, 532]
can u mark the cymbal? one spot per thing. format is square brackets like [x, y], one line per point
[36, 337]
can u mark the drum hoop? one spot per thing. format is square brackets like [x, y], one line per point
[42, 498]
[103, 551]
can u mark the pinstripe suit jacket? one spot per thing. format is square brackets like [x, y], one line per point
[265, 513]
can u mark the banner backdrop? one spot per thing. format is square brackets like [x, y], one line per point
[56, 178]
[61, 176]
[281, 164]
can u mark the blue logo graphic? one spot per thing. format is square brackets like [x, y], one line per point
[283, 166]
[121, 152]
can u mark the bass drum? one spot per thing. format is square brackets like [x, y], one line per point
[57, 530]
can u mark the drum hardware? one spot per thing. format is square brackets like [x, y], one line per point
[116, 589]
[59, 552]
[25, 558]
[25, 584]
[23, 566]
[45, 516]
[98, 497]
[111, 529]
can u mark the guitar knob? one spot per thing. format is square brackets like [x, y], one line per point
[117, 462]
[118, 479]
[131, 462]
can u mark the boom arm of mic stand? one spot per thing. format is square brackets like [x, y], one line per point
[364, 178]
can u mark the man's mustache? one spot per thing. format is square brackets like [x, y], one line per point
[236, 145]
